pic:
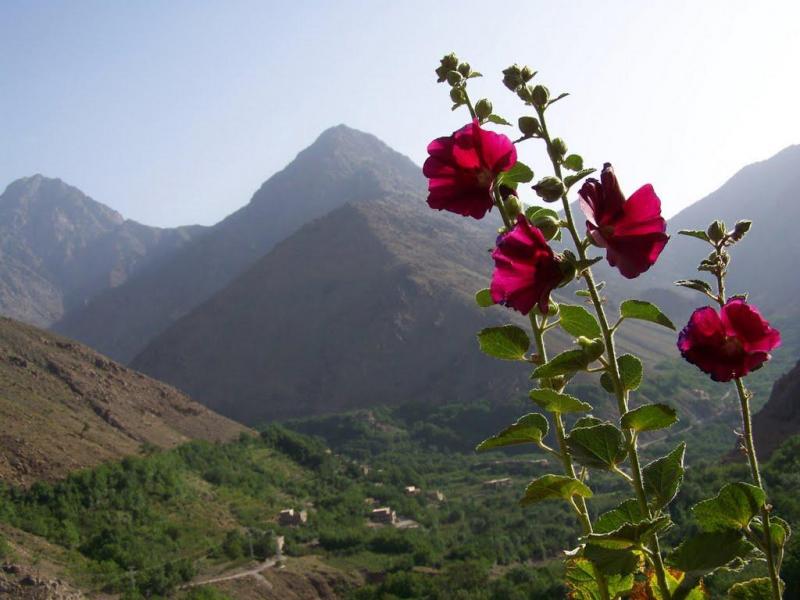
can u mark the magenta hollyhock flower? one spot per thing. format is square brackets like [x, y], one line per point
[461, 169]
[728, 344]
[525, 269]
[632, 232]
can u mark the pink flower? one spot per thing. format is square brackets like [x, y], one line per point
[461, 169]
[526, 270]
[728, 345]
[632, 232]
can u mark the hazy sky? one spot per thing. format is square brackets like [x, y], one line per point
[175, 112]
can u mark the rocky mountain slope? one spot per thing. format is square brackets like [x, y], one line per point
[370, 304]
[65, 407]
[779, 418]
[341, 166]
[59, 248]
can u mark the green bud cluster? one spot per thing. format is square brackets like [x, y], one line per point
[550, 189]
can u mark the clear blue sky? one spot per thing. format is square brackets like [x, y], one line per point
[174, 112]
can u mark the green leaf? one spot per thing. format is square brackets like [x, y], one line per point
[577, 321]
[553, 401]
[644, 311]
[587, 421]
[483, 298]
[529, 429]
[537, 212]
[599, 446]
[628, 535]
[708, 551]
[662, 477]
[610, 561]
[497, 120]
[608, 383]
[754, 589]
[733, 508]
[695, 233]
[519, 173]
[627, 512]
[649, 417]
[565, 363]
[554, 487]
[583, 293]
[695, 284]
[630, 372]
[574, 162]
[508, 342]
[580, 578]
[571, 180]
[780, 532]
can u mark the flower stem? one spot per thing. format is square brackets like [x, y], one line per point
[563, 452]
[747, 425]
[613, 366]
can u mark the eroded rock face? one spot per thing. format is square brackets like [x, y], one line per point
[780, 416]
[19, 582]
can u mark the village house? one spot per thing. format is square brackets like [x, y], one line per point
[412, 490]
[290, 517]
[383, 514]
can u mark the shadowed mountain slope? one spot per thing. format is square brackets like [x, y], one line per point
[342, 166]
[58, 248]
[65, 407]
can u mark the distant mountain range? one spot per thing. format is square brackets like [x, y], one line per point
[336, 287]
[65, 407]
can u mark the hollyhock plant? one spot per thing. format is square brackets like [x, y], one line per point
[728, 344]
[461, 169]
[526, 269]
[632, 231]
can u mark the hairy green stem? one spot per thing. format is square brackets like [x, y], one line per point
[566, 458]
[747, 434]
[613, 367]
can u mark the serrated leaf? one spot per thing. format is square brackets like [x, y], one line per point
[507, 342]
[483, 298]
[571, 180]
[695, 233]
[644, 311]
[649, 417]
[577, 321]
[781, 531]
[574, 162]
[519, 173]
[627, 512]
[529, 429]
[708, 551]
[733, 508]
[554, 487]
[580, 578]
[754, 589]
[599, 446]
[565, 363]
[662, 477]
[553, 401]
[695, 284]
[497, 120]
[630, 371]
[610, 561]
[628, 535]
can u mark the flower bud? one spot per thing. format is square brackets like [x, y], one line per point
[525, 93]
[567, 266]
[464, 69]
[527, 73]
[740, 229]
[458, 96]
[540, 95]
[512, 206]
[548, 225]
[558, 148]
[716, 231]
[483, 108]
[512, 77]
[448, 63]
[454, 78]
[550, 189]
[592, 349]
[552, 309]
[529, 126]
